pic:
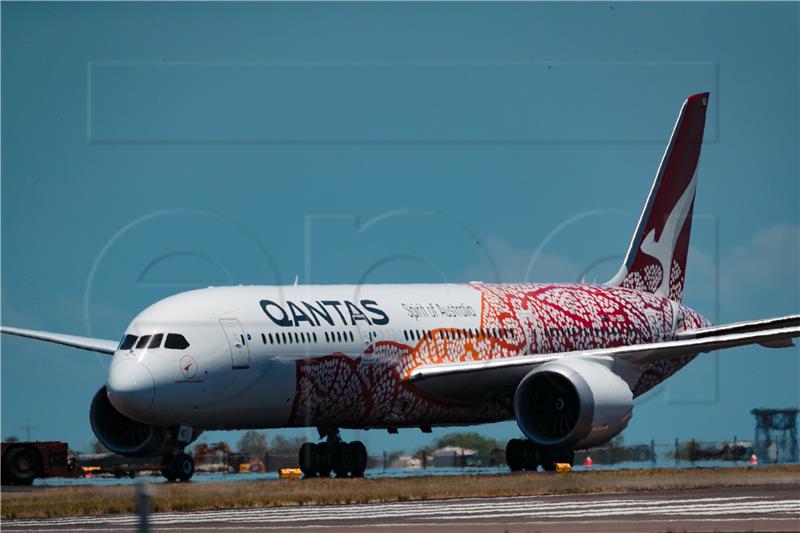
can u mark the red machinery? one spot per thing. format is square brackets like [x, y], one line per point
[22, 462]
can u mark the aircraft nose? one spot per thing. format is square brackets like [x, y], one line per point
[131, 388]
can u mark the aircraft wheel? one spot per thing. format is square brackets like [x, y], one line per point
[340, 458]
[308, 459]
[22, 465]
[532, 456]
[183, 466]
[323, 459]
[358, 458]
[547, 458]
[168, 468]
[515, 455]
[566, 456]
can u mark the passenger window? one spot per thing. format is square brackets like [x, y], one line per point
[352, 339]
[176, 341]
[143, 340]
[263, 338]
[127, 342]
[314, 334]
[155, 342]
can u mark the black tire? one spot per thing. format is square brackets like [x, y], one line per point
[168, 468]
[183, 466]
[547, 458]
[22, 465]
[531, 454]
[340, 459]
[323, 459]
[358, 458]
[307, 457]
[566, 456]
[515, 455]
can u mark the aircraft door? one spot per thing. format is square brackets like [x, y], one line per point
[240, 352]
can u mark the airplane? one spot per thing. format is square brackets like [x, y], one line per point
[564, 360]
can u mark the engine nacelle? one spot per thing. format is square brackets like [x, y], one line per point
[124, 435]
[572, 403]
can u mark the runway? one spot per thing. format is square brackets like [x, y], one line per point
[718, 509]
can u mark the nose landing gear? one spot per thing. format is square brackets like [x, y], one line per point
[179, 466]
[342, 458]
[523, 454]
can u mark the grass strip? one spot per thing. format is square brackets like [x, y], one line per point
[42, 502]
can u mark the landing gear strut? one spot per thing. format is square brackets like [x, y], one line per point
[179, 466]
[334, 455]
[522, 454]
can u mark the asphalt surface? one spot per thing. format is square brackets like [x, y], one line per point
[768, 508]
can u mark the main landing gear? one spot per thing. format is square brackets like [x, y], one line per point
[522, 454]
[334, 455]
[179, 466]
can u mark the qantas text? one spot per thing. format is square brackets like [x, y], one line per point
[322, 312]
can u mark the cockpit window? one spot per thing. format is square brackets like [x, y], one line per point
[155, 342]
[127, 342]
[143, 341]
[176, 341]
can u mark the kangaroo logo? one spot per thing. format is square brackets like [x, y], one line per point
[662, 249]
[188, 366]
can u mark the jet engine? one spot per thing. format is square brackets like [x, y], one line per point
[572, 403]
[124, 435]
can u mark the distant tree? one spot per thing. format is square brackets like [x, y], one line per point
[253, 443]
[280, 445]
[471, 441]
[393, 456]
[11, 438]
[199, 452]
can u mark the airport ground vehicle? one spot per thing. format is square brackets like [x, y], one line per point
[22, 462]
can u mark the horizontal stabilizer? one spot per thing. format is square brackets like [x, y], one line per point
[84, 343]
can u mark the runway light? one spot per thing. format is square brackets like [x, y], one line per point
[753, 460]
[588, 462]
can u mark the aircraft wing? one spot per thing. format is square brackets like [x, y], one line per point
[744, 327]
[484, 379]
[84, 343]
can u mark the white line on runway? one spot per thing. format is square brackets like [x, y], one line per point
[256, 527]
[371, 509]
[454, 510]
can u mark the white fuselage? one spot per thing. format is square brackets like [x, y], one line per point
[277, 356]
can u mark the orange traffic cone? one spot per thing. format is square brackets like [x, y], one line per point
[588, 462]
[753, 460]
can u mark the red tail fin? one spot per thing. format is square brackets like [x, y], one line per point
[656, 258]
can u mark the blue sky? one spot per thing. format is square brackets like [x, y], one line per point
[152, 148]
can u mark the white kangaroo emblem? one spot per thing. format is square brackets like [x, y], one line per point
[663, 249]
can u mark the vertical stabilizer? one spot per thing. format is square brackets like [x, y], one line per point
[656, 258]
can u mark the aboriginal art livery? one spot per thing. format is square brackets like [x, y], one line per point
[564, 360]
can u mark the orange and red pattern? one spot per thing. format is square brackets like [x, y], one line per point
[368, 391]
